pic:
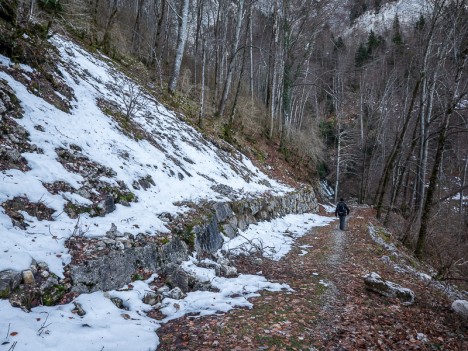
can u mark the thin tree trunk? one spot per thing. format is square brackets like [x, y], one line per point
[393, 154]
[202, 97]
[230, 67]
[136, 27]
[181, 38]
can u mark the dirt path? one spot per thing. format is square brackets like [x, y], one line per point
[329, 308]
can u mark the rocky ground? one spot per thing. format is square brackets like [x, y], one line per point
[330, 308]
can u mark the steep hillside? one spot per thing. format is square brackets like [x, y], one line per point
[98, 161]
[93, 166]
[407, 11]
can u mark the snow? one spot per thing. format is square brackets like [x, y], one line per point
[408, 12]
[106, 327]
[177, 148]
[274, 239]
[181, 150]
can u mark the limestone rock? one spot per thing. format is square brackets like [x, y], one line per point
[152, 299]
[223, 211]
[227, 271]
[176, 277]
[375, 283]
[176, 294]
[28, 277]
[461, 307]
[9, 281]
[107, 205]
[78, 309]
[208, 238]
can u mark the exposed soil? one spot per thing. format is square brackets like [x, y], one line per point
[330, 309]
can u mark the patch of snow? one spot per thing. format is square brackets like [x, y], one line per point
[408, 12]
[274, 239]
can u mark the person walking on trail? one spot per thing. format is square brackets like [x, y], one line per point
[342, 211]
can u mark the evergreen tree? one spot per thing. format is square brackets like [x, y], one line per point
[420, 23]
[396, 38]
[362, 55]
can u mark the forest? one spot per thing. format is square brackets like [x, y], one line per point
[378, 110]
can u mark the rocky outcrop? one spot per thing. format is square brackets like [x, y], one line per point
[115, 267]
[228, 218]
[32, 287]
[9, 281]
[375, 283]
[118, 256]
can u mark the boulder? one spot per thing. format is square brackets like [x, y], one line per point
[176, 294]
[461, 307]
[152, 298]
[107, 205]
[176, 277]
[375, 283]
[9, 281]
[223, 211]
[208, 238]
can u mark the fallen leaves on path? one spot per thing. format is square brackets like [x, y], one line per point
[329, 308]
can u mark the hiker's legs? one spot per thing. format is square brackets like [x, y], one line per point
[342, 222]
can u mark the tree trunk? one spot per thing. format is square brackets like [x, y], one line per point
[230, 68]
[393, 154]
[181, 38]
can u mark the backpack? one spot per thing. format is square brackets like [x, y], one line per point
[341, 209]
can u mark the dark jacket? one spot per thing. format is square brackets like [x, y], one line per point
[345, 207]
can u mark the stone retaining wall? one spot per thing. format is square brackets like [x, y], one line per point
[115, 268]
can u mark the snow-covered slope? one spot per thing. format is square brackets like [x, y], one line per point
[74, 159]
[175, 161]
[408, 12]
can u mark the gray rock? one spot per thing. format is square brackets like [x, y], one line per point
[107, 205]
[11, 155]
[164, 289]
[176, 251]
[152, 299]
[45, 274]
[43, 266]
[111, 233]
[119, 245]
[79, 309]
[113, 270]
[116, 268]
[118, 302]
[257, 261]
[9, 281]
[228, 271]
[84, 193]
[230, 231]
[375, 283]
[223, 211]
[461, 307]
[208, 239]
[176, 277]
[176, 294]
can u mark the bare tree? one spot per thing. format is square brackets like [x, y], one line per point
[181, 39]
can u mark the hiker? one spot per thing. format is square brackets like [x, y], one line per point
[342, 211]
